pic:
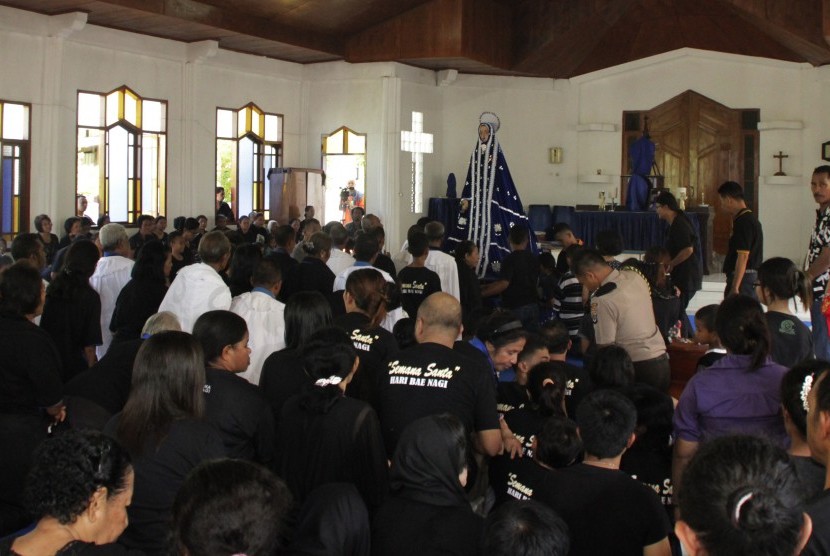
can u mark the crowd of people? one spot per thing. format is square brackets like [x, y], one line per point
[295, 389]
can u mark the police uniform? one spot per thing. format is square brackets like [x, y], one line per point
[622, 314]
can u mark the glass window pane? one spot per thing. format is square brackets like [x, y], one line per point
[15, 121]
[245, 203]
[90, 166]
[118, 156]
[273, 128]
[334, 143]
[90, 110]
[149, 173]
[256, 122]
[224, 124]
[357, 143]
[131, 108]
[153, 115]
[225, 164]
[242, 125]
[113, 109]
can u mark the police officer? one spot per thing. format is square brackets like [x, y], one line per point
[622, 314]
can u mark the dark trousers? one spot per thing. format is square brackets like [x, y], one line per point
[654, 372]
[747, 286]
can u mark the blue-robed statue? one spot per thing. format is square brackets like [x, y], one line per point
[642, 159]
[490, 204]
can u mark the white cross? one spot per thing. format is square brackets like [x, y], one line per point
[417, 142]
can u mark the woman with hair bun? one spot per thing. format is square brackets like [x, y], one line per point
[740, 496]
[546, 384]
[79, 487]
[779, 280]
[794, 407]
[741, 393]
[325, 436]
[366, 299]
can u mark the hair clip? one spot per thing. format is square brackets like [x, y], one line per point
[333, 380]
[806, 386]
[736, 517]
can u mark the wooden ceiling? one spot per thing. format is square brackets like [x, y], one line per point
[545, 38]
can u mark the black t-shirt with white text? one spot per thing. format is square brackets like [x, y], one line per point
[427, 379]
[375, 346]
[417, 283]
[521, 479]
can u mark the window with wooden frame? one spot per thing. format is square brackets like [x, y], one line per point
[122, 154]
[248, 144]
[14, 167]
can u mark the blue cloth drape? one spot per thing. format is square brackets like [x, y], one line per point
[642, 159]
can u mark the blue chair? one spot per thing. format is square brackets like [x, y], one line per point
[540, 217]
[562, 213]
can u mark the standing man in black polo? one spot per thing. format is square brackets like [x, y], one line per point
[746, 244]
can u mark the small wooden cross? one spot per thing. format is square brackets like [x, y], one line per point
[780, 156]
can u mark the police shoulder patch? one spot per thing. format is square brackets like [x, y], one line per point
[605, 289]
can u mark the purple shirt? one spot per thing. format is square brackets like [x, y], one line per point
[728, 398]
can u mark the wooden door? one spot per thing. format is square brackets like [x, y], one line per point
[697, 146]
[714, 148]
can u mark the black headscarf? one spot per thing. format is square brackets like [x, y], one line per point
[428, 460]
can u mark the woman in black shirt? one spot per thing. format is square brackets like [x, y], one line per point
[32, 392]
[466, 258]
[245, 258]
[366, 300]
[161, 427]
[43, 225]
[79, 488]
[685, 267]
[282, 373]
[72, 313]
[427, 512]
[141, 296]
[327, 437]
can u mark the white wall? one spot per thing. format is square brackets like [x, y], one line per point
[45, 60]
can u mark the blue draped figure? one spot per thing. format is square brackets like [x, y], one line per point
[642, 158]
[490, 204]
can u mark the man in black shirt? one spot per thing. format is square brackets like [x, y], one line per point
[607, 511]
[746, 244]
[417, 282]
[431, 378]
[517, 280]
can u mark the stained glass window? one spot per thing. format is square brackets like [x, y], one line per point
[14, 168]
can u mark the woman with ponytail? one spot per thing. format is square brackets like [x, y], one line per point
[741, 393]
[366, 299]
[326, 437]
[546, 384]
[779, 280]
[740, 496]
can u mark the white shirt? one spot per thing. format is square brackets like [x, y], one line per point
[339, 261]
[446, 269]
[392, 316]
[265, 317]
[402, 258]
[111, 275]
[197, 289]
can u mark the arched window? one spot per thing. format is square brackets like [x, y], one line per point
[248, 144]
[14, 168]
[122, 154]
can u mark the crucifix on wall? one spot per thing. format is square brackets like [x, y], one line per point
[417, 142]
[780, 156]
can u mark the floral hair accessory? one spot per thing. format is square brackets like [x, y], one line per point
[806, 386]
[333, 380]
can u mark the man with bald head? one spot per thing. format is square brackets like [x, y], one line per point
[431, 378]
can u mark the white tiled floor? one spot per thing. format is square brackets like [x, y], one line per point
[712, 292]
